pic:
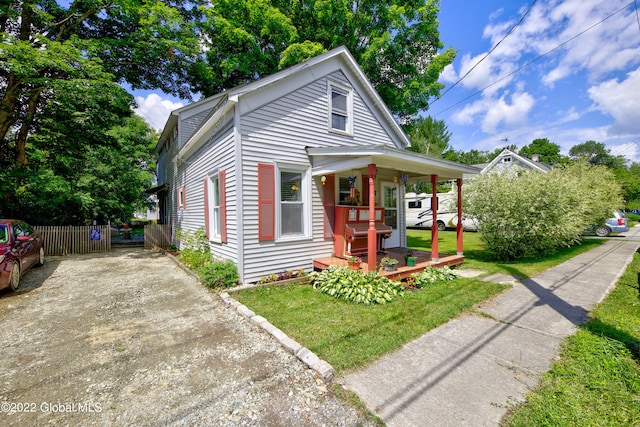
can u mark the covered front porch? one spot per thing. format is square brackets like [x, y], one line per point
[402, 271]
[363, 200]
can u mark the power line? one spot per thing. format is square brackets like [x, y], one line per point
[488, 53]
[535, 59]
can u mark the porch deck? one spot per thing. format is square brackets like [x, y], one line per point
[401, 272]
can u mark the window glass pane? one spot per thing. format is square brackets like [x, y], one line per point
[344, 190]
[338, 122]
[338, 101]
[292, 221]
[290, 190]
[216, 192]
[4, 234]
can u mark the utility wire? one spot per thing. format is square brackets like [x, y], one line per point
[536, 59]
[488, 53]
[637, 16]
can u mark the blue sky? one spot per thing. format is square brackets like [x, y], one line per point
[583, 89]
[579, 88]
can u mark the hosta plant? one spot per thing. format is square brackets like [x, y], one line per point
[432, 275]
[356, 286]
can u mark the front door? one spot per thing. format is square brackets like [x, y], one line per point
[390, 205]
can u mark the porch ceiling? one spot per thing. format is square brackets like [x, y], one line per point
[329, 160]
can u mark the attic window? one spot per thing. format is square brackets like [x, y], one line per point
[506, 159]
[340, 108]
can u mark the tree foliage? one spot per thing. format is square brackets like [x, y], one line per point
[527, 213]
[61, 185]
[597, 154]
[47, 47]
[547, 151]
[396, 42]
[428, 136]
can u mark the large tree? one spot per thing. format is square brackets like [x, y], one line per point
[597, 154]
[428, 136]
[547, 151]
[46, 46]
[396, 42]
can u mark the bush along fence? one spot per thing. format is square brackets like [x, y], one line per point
[63, 240]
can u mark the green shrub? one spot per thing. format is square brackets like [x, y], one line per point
[527, 213]
[195, 251]
[356, 286]
[632, 219]
[432, 275]
[219, 274]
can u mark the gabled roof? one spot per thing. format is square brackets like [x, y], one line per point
[253, 95]
[528, 163]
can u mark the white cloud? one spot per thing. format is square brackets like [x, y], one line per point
[620, 101]
[155, 110]
[449, 74]
[513, 114]
[629, 150]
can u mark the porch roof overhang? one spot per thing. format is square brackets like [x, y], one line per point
[329, 160]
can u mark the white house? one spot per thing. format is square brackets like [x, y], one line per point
[508, 160]
[303, 164]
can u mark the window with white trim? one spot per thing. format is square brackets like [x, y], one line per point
[293, 187]
[340, 108]
[214, 207]
[182, 197]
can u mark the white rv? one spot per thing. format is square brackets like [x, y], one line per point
[418, 208]
[419, 213]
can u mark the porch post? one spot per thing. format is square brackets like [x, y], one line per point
[459, 227]
[434, 215]
[372, 246]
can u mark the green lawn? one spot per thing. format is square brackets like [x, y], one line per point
[597, 381]
[350, 335]
[477, 256]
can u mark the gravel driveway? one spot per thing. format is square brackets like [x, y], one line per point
[128, 338]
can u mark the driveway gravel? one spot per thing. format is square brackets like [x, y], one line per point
[128, 338]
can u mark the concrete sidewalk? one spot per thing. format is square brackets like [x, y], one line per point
[468, 371]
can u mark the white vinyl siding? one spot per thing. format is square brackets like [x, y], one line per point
[217, 154]
[278, 133]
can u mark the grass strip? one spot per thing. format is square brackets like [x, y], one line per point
[597, 380]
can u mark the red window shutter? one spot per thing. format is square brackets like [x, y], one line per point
[329, 204]
[266, 202]
[206, 207]
[222, 193]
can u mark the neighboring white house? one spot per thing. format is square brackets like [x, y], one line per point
[269, 168]
[508, 160]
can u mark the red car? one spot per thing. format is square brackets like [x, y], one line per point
[21, 248]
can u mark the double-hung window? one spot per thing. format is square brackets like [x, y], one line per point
[340, 108]
[294, 204]
[214, 207]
